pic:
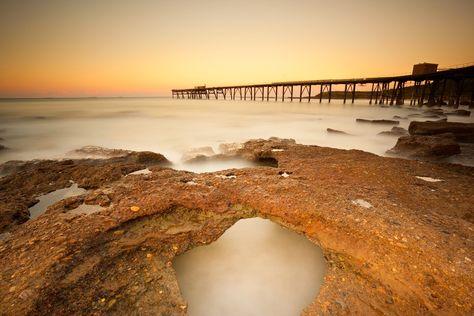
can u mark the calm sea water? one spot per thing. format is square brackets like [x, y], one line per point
[50, 128]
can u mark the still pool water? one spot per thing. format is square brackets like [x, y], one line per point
[255, 268]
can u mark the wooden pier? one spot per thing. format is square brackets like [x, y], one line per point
[437, 88]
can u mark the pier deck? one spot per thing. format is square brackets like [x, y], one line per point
[441, 87]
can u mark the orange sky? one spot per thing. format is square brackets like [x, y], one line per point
[146, 47]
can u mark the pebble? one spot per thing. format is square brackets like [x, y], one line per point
[428, 179]
[362, 203]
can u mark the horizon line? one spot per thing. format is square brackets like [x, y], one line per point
[86, 97]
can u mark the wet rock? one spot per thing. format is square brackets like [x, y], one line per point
[23, 181]
[149, 158]
[395, 131]
[2, 147]
[11, 166]
[97, 152]
[463, 132]
[383, 122]
[229, 148]
[459, 112]
[194, 153]
[435, 111]
[335, 131]
[443, 145]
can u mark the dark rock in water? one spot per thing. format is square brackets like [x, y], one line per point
[459, 113]
[385, 122]
[335, 131]
[395, 131]
[148, 157]
[397, 117]
[3, 147]
[424, 115]
[463, 132]
[436, 111]
[443, 145]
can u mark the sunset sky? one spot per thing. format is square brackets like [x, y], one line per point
[146, 47]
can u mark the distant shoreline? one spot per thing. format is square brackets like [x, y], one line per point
[81, 98]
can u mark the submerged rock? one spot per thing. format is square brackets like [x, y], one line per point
[194, 153]
[443, 145]
[230, 148]
[335, 131]
[434, 111]
[459, 112]
[395, 131]
[384, 122]
[463, 132]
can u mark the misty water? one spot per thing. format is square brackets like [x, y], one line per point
[33, 129]
[255, 268]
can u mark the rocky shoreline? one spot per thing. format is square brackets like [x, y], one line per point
[395, 241]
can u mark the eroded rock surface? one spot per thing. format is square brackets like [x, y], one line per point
[409, 253]
[28, 180]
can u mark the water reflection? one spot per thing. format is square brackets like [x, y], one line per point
[49, 199]
[255, 268]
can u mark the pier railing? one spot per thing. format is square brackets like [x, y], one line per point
[446, 86]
